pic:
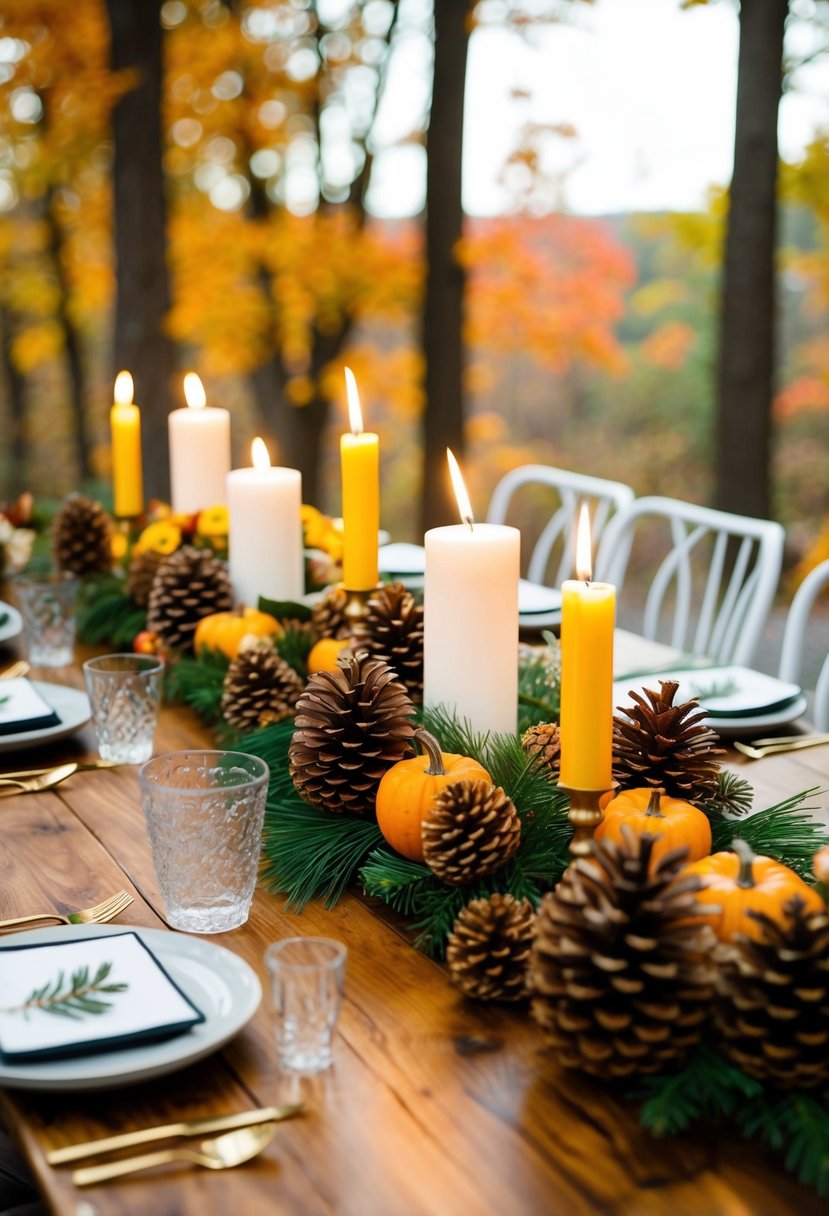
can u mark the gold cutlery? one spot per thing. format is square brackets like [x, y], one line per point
[223, 1153]
[775, 747]
[9, 786]
[96, 915]
[80, 767]
[20, 668]
[186, 1127]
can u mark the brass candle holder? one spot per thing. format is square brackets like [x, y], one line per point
[585, 815]
[356, 604]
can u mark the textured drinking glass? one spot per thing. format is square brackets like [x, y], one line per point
[125, 693]
[204, 812]
[47, 605]
[307, 975]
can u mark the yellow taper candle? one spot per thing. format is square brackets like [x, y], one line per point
[360, 462]
[587, 620]
[125, 429]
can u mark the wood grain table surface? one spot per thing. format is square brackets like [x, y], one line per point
[435, 1106]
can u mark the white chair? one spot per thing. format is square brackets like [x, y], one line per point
[711, 591]
[534, 490]
[791, 654]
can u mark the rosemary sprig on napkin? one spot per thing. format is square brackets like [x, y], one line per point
[71, 998]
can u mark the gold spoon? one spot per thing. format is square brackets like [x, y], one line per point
[220, 1154]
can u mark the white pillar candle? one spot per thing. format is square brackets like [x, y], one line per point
[471, 622]
[199, 451]
[265, 553]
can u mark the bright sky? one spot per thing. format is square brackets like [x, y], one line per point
[650, 89]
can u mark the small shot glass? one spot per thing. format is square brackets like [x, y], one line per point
[124, 693]
[47, 606]
[307, 977]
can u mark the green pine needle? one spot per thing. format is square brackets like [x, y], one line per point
[105, 613]
[786, 831]
[706, 1088]
[199, 682]
[294, 646]
[312, 854]
[72, 998]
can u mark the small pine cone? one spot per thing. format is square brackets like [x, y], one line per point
[140, 575]
[489, 948]
[189, 584]
[392, 629]
[352, 725]
[82, 536]
[660, 744]
[622, 976]
[772, 1011]
[472, 829]
[542, 743]
[259, 688]
[328, 614]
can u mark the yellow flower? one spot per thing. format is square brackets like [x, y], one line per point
[315, 526]
[213, 521]
[161, 537]
[118, 545]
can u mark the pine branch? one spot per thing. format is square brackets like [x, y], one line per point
[105, 613]
[312, 854]
[294, 646]
[707, 1088]
[797, 1125]
[785, 831]
[199, 682]
[73, 1001]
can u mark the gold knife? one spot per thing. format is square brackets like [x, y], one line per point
[187, 1127]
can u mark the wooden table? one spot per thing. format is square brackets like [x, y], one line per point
[435, 1106]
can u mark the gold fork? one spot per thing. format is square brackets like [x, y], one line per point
[9, 786]
[83, 766]
[95, 915]
[794, 744]
[20, 668]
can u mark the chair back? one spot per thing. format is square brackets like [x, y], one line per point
[539, 490]
[791, 654]
[711, 576]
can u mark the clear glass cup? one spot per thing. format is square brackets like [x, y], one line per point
[47, 606]
[307, 976]
[204, 812]
[124, 693]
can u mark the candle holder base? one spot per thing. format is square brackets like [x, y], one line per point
[356, 604]
[585, 815]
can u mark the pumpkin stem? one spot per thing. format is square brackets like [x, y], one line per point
[745, 875]
[653, 807]
[431, 747]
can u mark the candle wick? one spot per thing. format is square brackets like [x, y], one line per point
[470, 522]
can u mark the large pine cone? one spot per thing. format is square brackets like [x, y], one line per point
[328, 614]
[352, 725]
[623, 979]
[489, 948]
[542, 744]
[392, 629]
[658, 743]
[189, 584]
[472, 829]
[259, 688]
[141, 574]
[82, 536]
[772, 1012]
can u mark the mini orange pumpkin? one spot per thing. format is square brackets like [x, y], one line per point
[675, 822]
[740, 881]
[324, 654]
[224, 631]
[407, 789]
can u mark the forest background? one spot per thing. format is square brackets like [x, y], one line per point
[231, 234]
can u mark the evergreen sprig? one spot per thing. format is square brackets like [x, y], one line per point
[71, 998]
[294, 646]
[199, 682]
[312, 854]
[786, 831]
[105, 613]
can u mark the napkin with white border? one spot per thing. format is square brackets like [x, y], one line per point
[22, 708]
[144, 1005]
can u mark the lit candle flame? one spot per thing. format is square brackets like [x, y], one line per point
[584, 556]
[355, 414]
[464, 505]
[123, 390]
[259, 454]
[194, 393]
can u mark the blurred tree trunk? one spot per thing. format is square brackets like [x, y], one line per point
[16, 400]
[442, 324]
[748, 330]
[141, 344]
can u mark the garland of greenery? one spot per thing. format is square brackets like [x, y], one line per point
[106, 614]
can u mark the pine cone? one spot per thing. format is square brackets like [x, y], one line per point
[140, 575]
[661, 744]
[392, 629]
[328, 614]
[259, 688]
[542, 743]
[189, 584]
[82, 536]
[623, 979]
[489, 948]
[772, 1011]
[472, 829]
[352, 725]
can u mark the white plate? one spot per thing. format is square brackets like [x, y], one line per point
[401, 558]
[756, 723]
[11, 627]
[219, 983]
[71, 706]
[535, 598]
